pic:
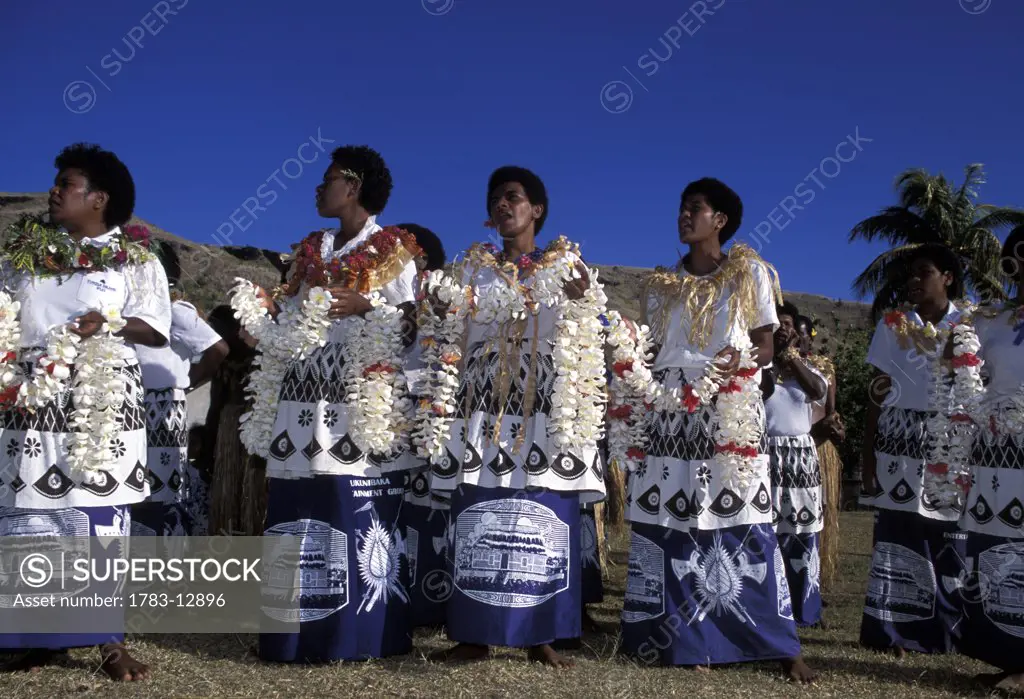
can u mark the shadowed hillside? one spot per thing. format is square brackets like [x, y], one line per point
[209, 272]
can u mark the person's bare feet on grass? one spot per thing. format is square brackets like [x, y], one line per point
[900, 652]
[33, 661]
[798, 671]
[547, 655]
[1013, 684]
[459, 653]
[120, 666]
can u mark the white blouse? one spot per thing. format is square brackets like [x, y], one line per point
[138, 291]
[789, 412]
[168, 366]
[907, 368]
[1002, 349]
[676, 349]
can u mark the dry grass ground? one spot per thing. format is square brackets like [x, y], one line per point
[211, 665]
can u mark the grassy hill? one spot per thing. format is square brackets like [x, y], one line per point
[209, 271]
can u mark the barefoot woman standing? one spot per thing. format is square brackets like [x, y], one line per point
[707, 584]
[912, 601]
[67, 277]
[515, 488]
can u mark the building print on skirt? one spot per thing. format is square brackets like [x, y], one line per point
[511, 553]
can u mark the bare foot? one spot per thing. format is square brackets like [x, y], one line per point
[900, 652]
[547, 655]
[32, 661]
[120, 666]
[461, 652]
[1012, 684]
[798, 671]
[702, 669]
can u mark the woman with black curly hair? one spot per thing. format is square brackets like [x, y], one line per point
[916, 546]
[327, 484]
[61, 478]
[707, 583]
[515, 487]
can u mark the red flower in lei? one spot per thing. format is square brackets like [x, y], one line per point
[731, 448]
[690, 400]
[963, 360]
[353, 270]
[893, 318]
[620, 412]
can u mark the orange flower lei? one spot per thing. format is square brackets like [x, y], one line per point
[925, 338]
[371, 265]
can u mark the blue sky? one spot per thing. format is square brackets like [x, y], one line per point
[616, 105]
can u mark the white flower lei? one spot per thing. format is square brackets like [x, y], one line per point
[951, 428]
[98, 389]
[631, 377]
[294, 335]
[578, 392]
[442, 354]
[98, 392]
[376, 397]
[737, 431]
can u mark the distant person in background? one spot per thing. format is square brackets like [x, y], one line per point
[178, 504]
[238, 490]
[827, 431]
[916, 546]
[793, 464]
[66, 277]
[424, 518]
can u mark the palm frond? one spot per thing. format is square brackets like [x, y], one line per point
[890, 266]
[896, 225]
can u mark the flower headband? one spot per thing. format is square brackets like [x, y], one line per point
[351, 175]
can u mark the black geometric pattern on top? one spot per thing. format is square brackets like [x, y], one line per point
[166, 420]
[1006, 452]
[901, 432]
[483, 370]
[683, 435]
[55, 415]
[794, 466]
[317, 378]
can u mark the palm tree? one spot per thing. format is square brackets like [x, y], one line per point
[932, 210]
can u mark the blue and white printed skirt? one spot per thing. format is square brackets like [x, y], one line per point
[707, 597]
[516, 567]
[425, 527]
[354, 601]
[913, 599]
[993, 591]
[593, 584]
[918, 565]
[109, 521]
[798, 517]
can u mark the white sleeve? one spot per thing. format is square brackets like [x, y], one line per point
[766, 301]
[401, 289]
[824, 382]
[149, 298]
[190, 331]
[880, 352]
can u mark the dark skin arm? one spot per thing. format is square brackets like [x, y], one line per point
[136, 331]
[878, 389]
[728, 360]
[204, 370]
[812, 385]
